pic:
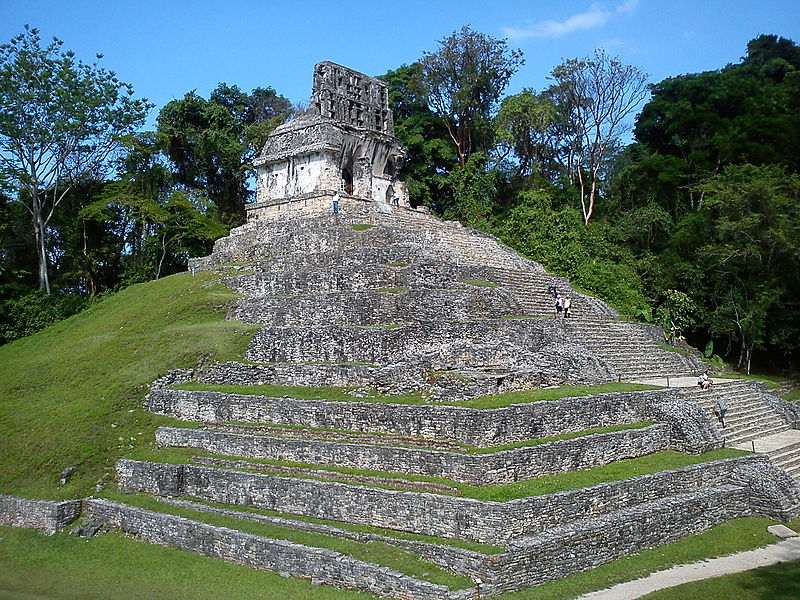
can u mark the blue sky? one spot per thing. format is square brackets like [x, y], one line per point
[166, 49]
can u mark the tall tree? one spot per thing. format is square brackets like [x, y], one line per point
[465, 78]
[523, 125]
[749, 257]
[429, 155]
[60, 119]
[213, 142]
[602, 93]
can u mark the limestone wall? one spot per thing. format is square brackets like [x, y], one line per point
[770, 493]
[475, 469]
[691, 429]
[589, 543]
[480, 428]
[46, 515]
[318, 564]
[376, 308]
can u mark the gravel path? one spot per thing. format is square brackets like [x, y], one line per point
[735, 563]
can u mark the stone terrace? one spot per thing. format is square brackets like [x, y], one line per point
[419, 300]
[404, 302]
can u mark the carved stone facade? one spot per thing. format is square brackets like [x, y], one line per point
[344, 144]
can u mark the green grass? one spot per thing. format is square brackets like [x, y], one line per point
[669, 348]
[380, 553]
[776, 582]
[564, 391]
[36, 566]
[792, 396]
[341, 394]
[361, 226]
[737, 535]
[480, 282]
[72, 394]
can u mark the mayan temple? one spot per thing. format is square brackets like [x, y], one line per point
[411, 319]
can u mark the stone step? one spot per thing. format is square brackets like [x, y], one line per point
[627, 531]
[502, 467]
[377, 308]
[752, 433]
[764, 418]
[321, 565]
[787, 452]
[352, 437]
[468, 426]
[789, 463]
[437, 514]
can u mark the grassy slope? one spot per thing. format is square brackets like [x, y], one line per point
[69, 393]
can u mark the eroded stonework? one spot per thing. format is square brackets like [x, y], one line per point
[343, 145]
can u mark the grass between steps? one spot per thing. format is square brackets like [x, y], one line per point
[71, 395]
[342, 394]
[550, 484]
[464, 448]
[380, 553]
[479, 547]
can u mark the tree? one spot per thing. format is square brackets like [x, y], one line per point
[60, 119]
[749, 259]
[602, 93]
[695, 125]
[213, 142]
[465, 78]
[429, 156]
[523, 125]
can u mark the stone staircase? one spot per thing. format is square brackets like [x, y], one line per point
[788, 458]
[749, 416]
[633, 349]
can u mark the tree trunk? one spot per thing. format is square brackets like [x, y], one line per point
[41, 248]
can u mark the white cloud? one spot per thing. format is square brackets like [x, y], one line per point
[628, 6]
[595, 17]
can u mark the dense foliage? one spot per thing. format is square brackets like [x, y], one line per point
[693, 226]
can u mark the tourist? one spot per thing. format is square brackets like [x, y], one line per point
[336, 199]
[559, 304]
[395, 201]
[721, 409]
[704, 381]
[567, 307]
[551, 289]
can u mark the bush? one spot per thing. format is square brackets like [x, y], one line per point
[27, 314]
